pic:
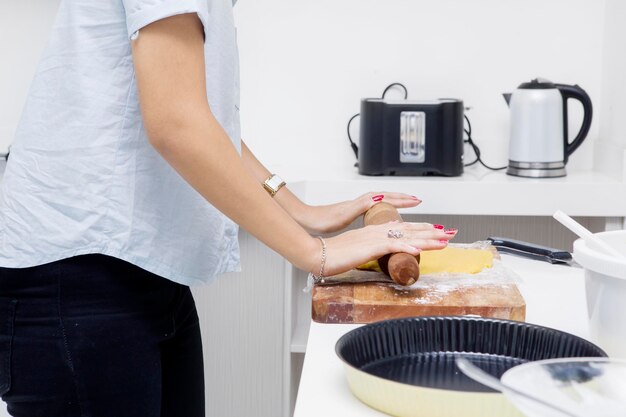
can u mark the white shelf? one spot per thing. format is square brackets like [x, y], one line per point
[477, 192]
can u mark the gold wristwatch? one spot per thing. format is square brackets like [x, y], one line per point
[273, 183]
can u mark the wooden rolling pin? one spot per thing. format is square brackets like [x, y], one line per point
[403, 268]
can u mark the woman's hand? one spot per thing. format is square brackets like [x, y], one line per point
[324, 219]
[334, 217]
[356, 247]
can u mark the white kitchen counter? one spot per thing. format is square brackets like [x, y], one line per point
[555, 297]
[477, 192]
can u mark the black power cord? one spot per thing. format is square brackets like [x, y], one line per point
[353, 145]
[475, 148]
[390, 86]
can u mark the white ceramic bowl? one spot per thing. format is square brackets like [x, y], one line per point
[584, 387]
[605, 279]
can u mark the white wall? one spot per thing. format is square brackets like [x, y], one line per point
[24, 28]
[307, 63]
[610, 152]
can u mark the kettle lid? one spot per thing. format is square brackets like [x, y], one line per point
[537, 84]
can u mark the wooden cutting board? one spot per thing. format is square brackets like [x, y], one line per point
[366, 302]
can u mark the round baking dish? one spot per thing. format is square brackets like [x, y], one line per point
[406, 367]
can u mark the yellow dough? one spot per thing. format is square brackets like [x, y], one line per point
[450, 259]
[456, 260]
[371, 266]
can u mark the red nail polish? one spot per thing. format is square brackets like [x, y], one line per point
[438, 226]
[378, 198]
[443, 241]
[450, 231]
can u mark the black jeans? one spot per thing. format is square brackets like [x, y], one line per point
[94, 336]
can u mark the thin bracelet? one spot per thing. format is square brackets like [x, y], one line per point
[320, 277]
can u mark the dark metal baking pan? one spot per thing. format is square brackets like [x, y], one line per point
[417, 357]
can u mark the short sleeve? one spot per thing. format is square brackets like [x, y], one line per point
[140, 13]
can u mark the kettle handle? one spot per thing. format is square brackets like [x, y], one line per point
[577, 93]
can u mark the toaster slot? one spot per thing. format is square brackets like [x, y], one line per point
[412, 137]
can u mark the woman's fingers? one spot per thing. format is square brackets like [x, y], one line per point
[330, 218]
[423, 236]
[398, 200]
[350, 250]
[412, 227]
[355, 247]
[416, 246]
[397, 196]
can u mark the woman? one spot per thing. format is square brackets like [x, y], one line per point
[126, 183]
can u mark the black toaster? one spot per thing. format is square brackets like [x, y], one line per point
[411, 138]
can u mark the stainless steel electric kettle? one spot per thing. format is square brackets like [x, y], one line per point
[539, 145]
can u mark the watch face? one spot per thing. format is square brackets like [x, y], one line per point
[274, 182]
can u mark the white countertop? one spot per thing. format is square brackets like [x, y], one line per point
[555, 297]
[477, 192]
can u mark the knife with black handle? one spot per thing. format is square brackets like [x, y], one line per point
[531, 250]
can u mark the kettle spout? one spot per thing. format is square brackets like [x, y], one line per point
[507, 98]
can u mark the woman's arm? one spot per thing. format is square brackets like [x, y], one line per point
[285, 198]
[328, 218]
[170, 70]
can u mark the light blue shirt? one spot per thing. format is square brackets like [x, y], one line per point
[82, 177]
